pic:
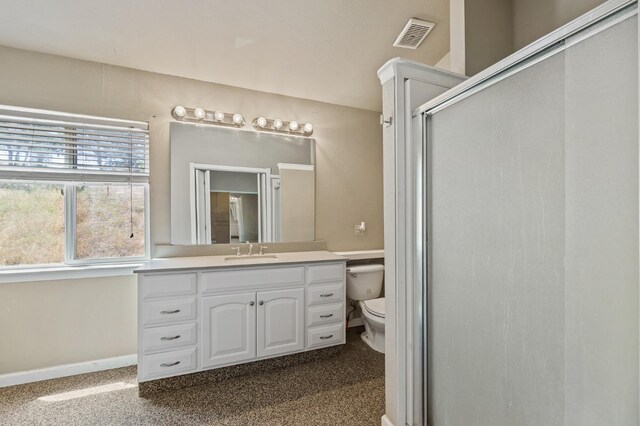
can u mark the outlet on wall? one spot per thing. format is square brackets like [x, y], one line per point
[359, 229]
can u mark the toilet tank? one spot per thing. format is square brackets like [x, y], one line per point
[364, 282]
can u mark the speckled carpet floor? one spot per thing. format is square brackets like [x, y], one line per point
[347, 389]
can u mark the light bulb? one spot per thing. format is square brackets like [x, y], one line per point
[293, 126]
[261, 122]
[199, 113]
[277, 124]
[238, 118]
[219, 115]
[180, 111]
[308, 128]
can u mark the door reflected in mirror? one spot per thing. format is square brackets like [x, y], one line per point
[230, 186]
[234, 218]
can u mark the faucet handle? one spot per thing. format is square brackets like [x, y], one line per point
[250, 249]
[237, 250]
[262, 249]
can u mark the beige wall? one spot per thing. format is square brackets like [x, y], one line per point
[348, 191]
[493, 29]
[488, 26]
[48, 323]
[533, 19]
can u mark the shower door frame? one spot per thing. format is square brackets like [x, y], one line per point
[418, 195]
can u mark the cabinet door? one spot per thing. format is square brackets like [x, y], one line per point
[280, 321]
[228, 329]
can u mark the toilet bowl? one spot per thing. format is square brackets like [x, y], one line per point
[364, 285]
[373, 319]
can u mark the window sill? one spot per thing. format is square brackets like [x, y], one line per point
[67, 272]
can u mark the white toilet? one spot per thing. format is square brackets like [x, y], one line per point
[364, 284]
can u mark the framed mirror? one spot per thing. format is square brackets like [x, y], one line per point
[233, 186]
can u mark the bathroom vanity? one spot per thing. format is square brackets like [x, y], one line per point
[206, 312]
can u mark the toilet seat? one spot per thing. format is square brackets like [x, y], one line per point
[375, 307]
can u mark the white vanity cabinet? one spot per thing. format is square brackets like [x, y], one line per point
[280, 321]
[195, 319]
[228, 329]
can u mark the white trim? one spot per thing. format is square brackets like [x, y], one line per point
[384, 421]
[439, 76]
[66, 370]
[63, 272]
[239, 169]
[56, 116]
[288, 166]
[403, 248]
[361, 254]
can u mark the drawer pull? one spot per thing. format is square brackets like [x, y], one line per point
[170, 312]
[326, 316]
[170, 338]
[252, 303]
[171, 364]
[326, 337]
[326, 295]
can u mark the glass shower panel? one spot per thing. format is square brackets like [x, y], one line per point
[601, 269]
[496, 228]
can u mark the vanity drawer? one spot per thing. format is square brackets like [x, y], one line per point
[325, 335]
[333, 272]
[169, 285]
[325, 294]
[168, 363]
[168, 337]
[262, 277]
[168, 311]
[324, 314]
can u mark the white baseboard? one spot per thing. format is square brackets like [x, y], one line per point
[65, 370]
[385, 421]
[356, 322]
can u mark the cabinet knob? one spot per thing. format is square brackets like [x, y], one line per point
[252, 303]
[261, 303]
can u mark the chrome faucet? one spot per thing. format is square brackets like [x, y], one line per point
[262, 249]
[237, 250]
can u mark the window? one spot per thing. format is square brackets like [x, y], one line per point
[73, 189]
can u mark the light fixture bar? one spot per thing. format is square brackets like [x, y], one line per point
[203, 116]
[263, 124]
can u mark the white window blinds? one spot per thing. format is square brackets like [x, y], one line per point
[44, 144]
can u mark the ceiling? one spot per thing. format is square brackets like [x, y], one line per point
[325, 50]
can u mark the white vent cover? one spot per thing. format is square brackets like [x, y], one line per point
[413, 33]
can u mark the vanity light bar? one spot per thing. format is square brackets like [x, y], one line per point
[276, 125]
[201, 115]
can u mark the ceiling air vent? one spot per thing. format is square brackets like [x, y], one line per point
[413, 33]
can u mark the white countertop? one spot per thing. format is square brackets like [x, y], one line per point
[361, 254]
[206, 262]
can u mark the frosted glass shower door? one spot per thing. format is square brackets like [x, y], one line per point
[495, 296]
[532, 218]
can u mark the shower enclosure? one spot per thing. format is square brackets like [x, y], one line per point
[529, 205]
[511, 233]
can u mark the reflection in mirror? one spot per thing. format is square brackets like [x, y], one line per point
[232, 186]
[231, 204]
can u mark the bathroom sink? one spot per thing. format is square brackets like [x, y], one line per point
[239, 260]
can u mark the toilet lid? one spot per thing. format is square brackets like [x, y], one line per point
[375, 306]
